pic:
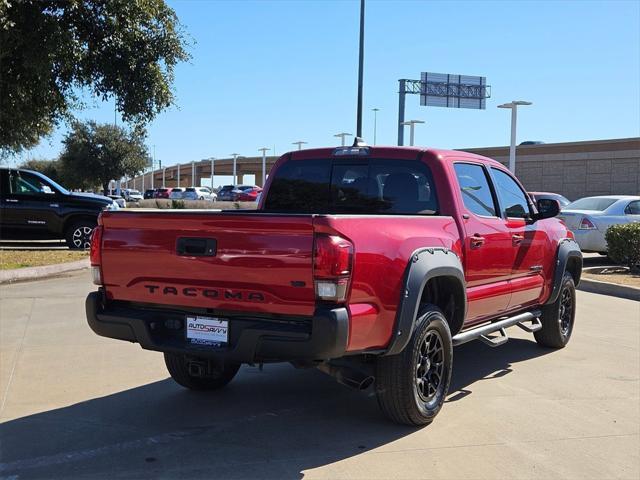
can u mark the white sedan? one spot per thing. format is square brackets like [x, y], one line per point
[589, 218]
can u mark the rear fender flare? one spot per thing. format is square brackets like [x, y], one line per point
[424, 264]
[568, 251]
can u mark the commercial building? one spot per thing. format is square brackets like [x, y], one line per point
[573, 169]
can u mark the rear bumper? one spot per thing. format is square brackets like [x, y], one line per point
[321, 337]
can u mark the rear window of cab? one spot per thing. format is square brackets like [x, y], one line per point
[371, 186]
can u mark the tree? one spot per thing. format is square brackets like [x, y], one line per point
[50, 168]
[96, 154]
[50, 50]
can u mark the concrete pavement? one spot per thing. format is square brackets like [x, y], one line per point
[74, 405]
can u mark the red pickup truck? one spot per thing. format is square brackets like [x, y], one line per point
[369, 263]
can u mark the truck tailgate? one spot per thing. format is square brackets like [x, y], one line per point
[260, 262]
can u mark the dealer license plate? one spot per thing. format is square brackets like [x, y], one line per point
[207, 330]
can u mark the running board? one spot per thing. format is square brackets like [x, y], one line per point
[483, 332]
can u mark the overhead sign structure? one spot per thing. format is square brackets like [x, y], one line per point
[453, 91]
[443, 90]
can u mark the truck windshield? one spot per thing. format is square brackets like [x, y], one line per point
[373, 186]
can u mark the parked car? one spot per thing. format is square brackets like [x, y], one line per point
[119, 200]
[369, 263]
[199, 193]
[562, 201]
[34, 207]
[176, 193]
[225, 194]
[162, 192]
[131, 195]
[246, 193]
[149, 193]
[589, 218]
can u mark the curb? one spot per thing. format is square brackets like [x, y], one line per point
[612, 289]
[42, 272]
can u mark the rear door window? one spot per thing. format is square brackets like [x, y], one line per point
[475, 189]
[373, 186]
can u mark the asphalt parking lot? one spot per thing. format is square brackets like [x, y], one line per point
[74, 405]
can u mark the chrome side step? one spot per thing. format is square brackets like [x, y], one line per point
[528, 321]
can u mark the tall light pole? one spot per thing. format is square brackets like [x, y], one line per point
[179, 175]
[164, 174]
[235, 159]
[153, 166]
[299, 143]
[264, 151]
[342, 135]
[514, 118]
[375, 123]
[412, 124]
[193, 173]
[360, 73]
[212, 172]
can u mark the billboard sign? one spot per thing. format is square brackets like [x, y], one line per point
[453, 91]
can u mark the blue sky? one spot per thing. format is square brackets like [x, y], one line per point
[267, 73]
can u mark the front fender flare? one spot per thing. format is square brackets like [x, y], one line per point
[425, 264]
[568, 250]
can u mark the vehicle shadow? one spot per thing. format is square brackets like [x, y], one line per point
[275, 423]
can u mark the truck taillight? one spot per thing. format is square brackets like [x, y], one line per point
[95, 255]
[332, 261]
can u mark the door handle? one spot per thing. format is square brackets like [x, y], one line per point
[477, 241]
[11, 200]
[517, 239]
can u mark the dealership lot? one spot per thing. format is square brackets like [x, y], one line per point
[77, 405]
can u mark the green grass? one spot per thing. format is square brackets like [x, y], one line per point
[14, 259]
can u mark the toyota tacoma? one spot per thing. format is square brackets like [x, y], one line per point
[369, 263]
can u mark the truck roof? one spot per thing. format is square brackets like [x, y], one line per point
[392, 152]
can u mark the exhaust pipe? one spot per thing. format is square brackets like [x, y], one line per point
[348, 376]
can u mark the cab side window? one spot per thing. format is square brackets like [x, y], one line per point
[512, 199]
[474, 186]
[22, 183]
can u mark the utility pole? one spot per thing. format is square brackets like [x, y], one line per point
[360, 73]
[341, 136]
[264, 151]
[375, 123]
[235, 159]
[299, 143]
[212, 172]
[412, 124]
[514, 118]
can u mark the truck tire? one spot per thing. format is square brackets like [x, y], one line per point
[78, 234]
[558, 318]
[412, 385]
[177, 365]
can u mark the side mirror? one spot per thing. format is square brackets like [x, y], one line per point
[547, 208]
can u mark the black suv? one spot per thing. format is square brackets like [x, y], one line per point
[34, 207]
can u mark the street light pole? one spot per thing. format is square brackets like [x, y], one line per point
[193, 173]
[342, 135]
[212, 172]
[299, 143]
[164, 173]
[412, 124]
[375, 123]
[235, 158]
[179, 175]
[264, 151]
[514, 118]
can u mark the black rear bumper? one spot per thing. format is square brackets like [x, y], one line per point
[251, 339]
